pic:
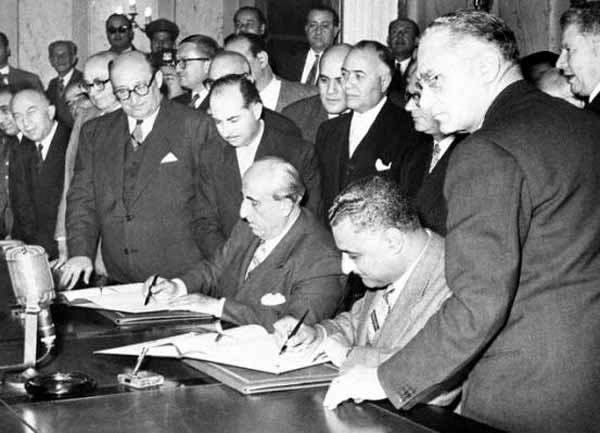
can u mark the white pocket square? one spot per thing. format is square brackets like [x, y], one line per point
[169, 157]
[380, 166]
[272, 299]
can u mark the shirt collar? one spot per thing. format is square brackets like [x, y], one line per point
[45, 142]
[5, 70]
[67, 77]
[594, 92]
[270, 94]
[270, 244]
[147, 123]
[371, 113]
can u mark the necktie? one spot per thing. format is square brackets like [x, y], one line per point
[311, 79]
[40, 158]
[194, 100]
[259, 255]
[60, 86]
[379, 313]
[435, 156]
[137, 136]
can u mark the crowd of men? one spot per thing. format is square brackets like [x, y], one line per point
[431, 204]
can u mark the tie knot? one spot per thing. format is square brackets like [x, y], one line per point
[139, 122]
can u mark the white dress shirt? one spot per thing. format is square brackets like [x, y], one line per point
[147, 124]
[270, 94]
[311, 57]
[594, 92]
[245, 154]
[360, 124]
[67, 77]
[47, 140]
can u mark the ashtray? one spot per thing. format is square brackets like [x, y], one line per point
[59, 385]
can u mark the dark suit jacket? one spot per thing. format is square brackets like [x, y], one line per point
[18, 79]
[304, 267]
[290, 65]
[62, 110]
[291, 92]
[7, 146]
[221, 183]
[159, 231]
[308, 114]
[35, 190]
[594, 106]
[391, 140]
[397, 88]
[430, 201]
[522, 261]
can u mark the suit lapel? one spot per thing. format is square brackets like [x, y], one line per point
[112, 152]
[231, 178]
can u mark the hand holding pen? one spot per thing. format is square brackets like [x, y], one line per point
[293, 333]
[159, 288]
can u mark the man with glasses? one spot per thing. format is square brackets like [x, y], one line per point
[119, 33]
[194, 55]
[63, 58]
[135, 183]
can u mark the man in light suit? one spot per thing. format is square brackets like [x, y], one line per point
[580, 53]
[522, 254]
[381, 240]
[236, 109]
[16, 79]
[275, 92]
[63, 58]
[135, 182]
[310, 112]
[37, 170]
[279, 260]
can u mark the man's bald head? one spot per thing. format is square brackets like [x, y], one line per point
[33, 114]
[227, 63]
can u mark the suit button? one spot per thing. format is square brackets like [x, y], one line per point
[125, 251]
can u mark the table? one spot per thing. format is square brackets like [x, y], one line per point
[189, 401]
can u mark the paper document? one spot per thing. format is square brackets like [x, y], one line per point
[249, 346]
[124, 297]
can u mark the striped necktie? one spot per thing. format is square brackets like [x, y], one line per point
[311, 79]
[379, 313]
[137, 136]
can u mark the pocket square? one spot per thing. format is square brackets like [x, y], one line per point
[380, 166]
[169, 157]
[272, 299]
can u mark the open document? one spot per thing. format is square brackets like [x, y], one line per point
[249, 346]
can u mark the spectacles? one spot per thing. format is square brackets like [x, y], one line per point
[141, 89]
[182, 63]
[416, 97]
[96, 84]
[123, 29]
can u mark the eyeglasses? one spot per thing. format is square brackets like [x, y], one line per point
[96, 84]
[123, 29]
[416, 97]
[141, 89]
[182, 63]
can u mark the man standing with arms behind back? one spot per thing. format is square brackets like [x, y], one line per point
[522, 256]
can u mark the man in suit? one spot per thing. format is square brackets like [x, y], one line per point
[275, 92]
[194, 55]
[377, 136]
[310, 112]
[135, 183]
[162, 34]
[10, 138]
[402, 263]
[119, 33]
[430, 201]
[37, 172]
[402, 39]
[580, 53]
[63, 58]
[249, 19]
[16, 79]
[522, 246]
[321, 29]
[279, 260]
[236, 109]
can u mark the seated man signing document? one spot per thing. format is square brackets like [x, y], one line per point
[278, 261]
[383, 242]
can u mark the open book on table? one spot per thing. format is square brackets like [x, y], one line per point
[249, 346]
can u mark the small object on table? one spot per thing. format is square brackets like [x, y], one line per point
[140, 379]
[60, 385]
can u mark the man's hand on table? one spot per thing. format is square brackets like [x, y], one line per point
[359, 383]
[72, 270]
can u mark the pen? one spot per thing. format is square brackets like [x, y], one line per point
[294, 332]
[140, 359]
[147, 298]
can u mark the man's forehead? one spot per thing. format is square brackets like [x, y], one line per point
[246, 15]
[226, 102]
[187, 48]
[118, 22]
[320, 16]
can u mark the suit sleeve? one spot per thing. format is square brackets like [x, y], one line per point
[484, 187]
[317, 286]
[24, 226]
[83, 227]
[346, 323]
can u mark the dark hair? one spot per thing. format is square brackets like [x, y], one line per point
[586, 17]
[71, 46]
[529, 62]
[259, 14]
[374, 203]
[482, 26]
[383, 53]
[257, 43]
[208, 45]
[3, 39]
[324, 8]
[125, 17]
[247, 88]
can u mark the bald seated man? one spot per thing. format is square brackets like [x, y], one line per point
[278, 261]
[37, 172]
[135, 182]
[229, 62]
[309, 113]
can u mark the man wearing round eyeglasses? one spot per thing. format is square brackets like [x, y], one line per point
[193, 62]
[119, 33]
[134, 184]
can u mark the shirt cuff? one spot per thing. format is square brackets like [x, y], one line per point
[219, 308]
[181, 287]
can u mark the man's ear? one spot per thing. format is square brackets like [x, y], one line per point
[394, 240]
[488, 65]
[158, 78]
[51, 111]
[263, 59]
[257, 109]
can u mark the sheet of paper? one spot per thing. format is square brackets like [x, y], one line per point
[249, 346]
[124, 297]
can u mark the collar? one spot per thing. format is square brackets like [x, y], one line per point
[594, 92]
[5, 70]
[67, 77]
[147, 123]
[403, 64]
[445, 143]
[47, 140]
[270, 244]
[270, 94]
[369, 115]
